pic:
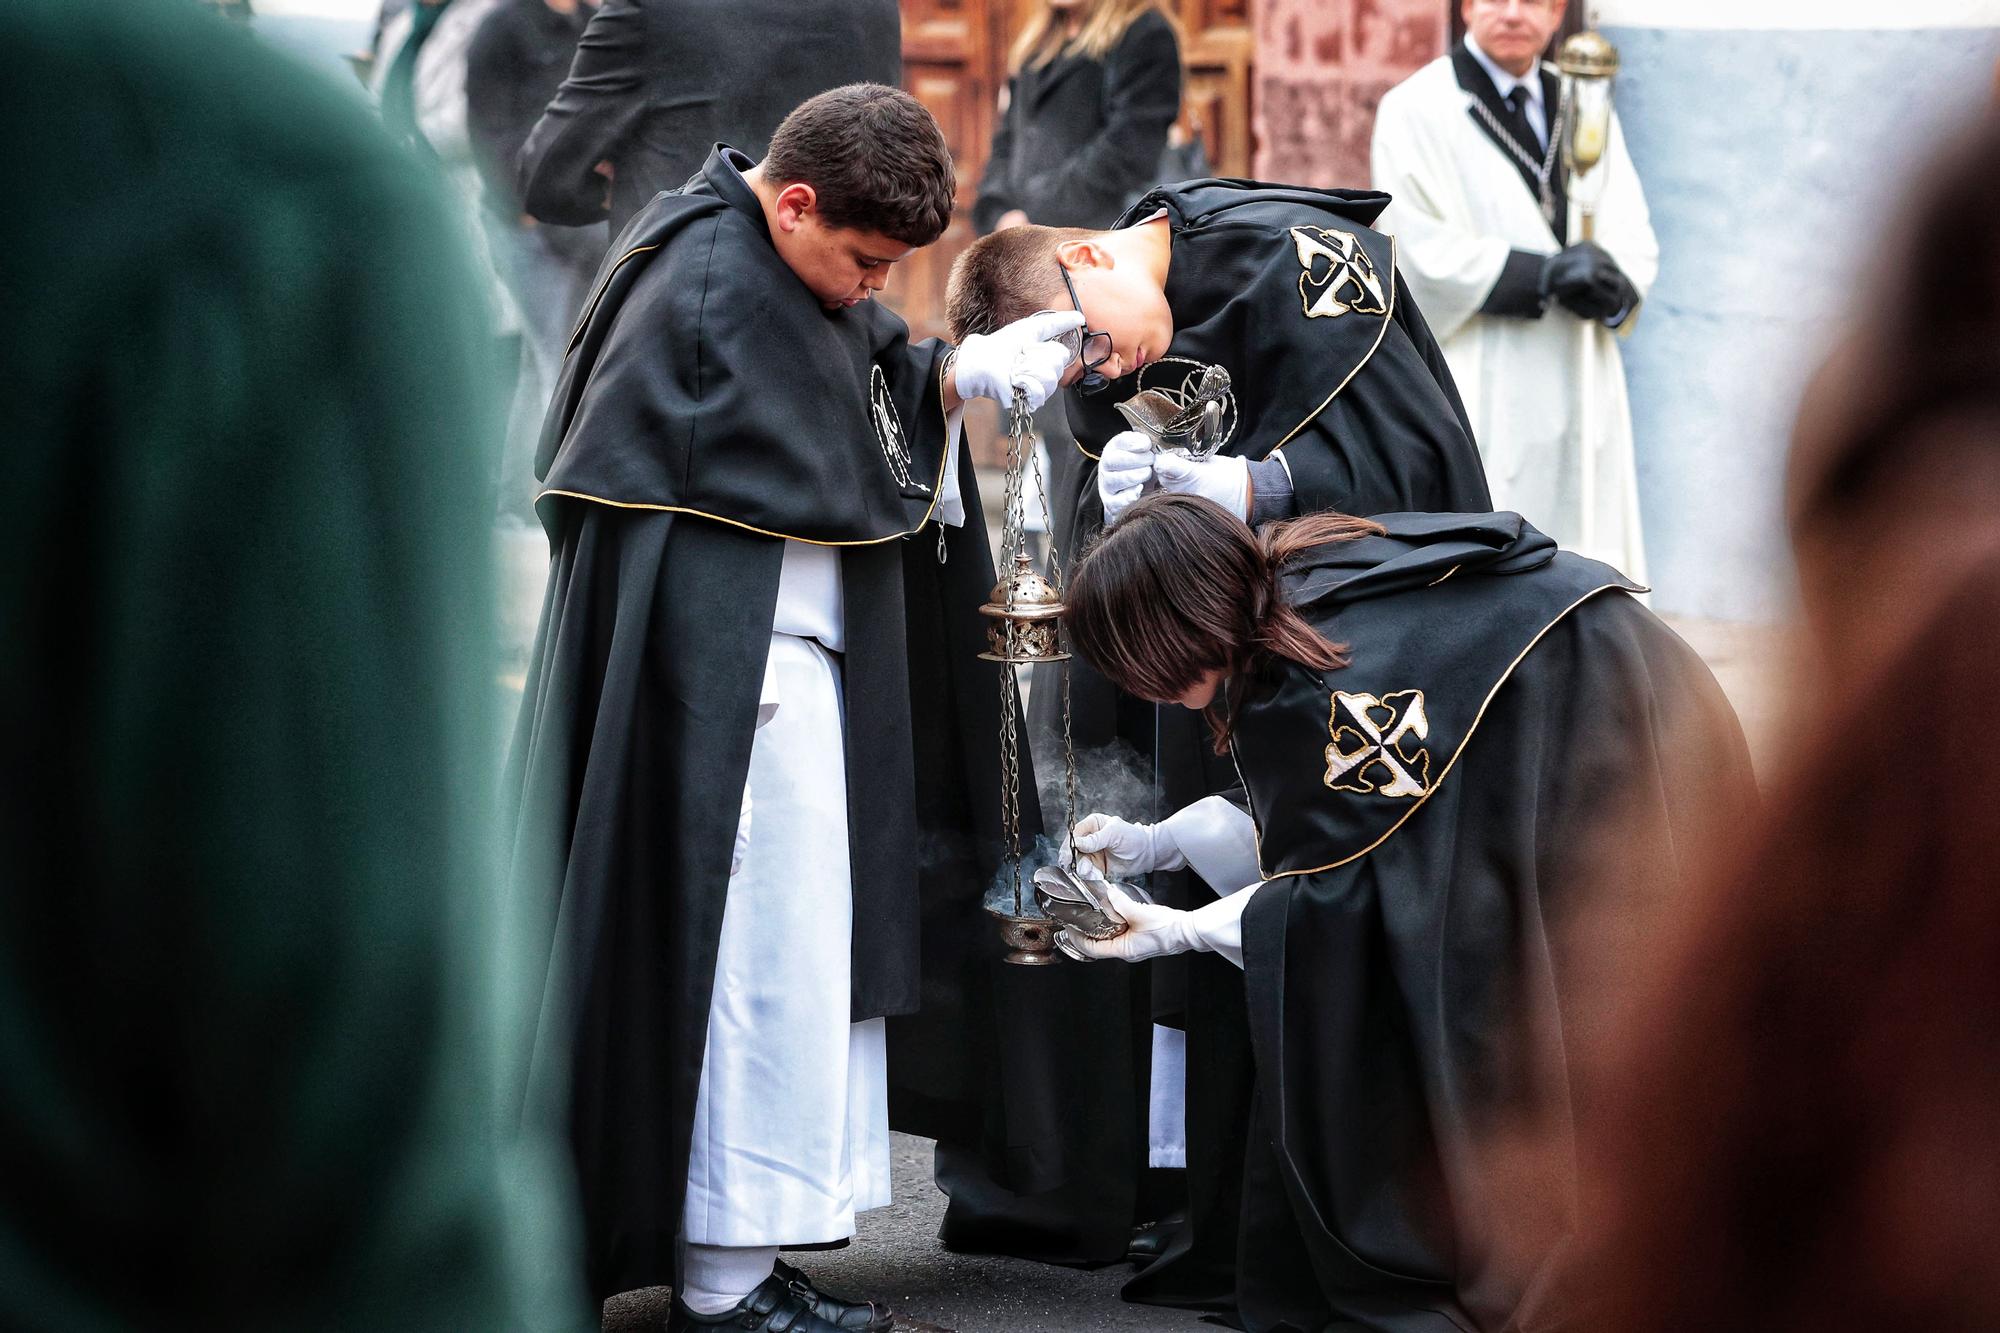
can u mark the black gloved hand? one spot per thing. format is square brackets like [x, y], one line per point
[1588, 283]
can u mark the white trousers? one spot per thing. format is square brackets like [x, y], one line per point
[791, 1127]
[1166, 1120]
[1220, 844]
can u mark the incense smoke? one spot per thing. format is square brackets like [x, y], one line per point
[1111, 779]
[1000, 893]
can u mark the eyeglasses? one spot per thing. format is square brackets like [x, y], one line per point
[1081, 342]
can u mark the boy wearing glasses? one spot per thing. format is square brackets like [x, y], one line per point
[1339, 400]
[1340, 396]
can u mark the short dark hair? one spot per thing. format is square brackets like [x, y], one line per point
[874, 157]
[1004, 277]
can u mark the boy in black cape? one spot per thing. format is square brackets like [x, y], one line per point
[1340, 400]
[1454, 740]
[752, 707]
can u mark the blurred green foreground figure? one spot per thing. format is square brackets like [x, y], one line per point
[251, 996]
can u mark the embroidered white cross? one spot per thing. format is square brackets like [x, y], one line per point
[1366, 732]
[1348, 281]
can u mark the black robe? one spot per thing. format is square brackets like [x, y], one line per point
[1515, 734]
[710, 406]
[1360, 400]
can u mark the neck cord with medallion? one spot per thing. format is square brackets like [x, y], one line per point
[1544, 170]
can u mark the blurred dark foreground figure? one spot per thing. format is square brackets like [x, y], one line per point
[1804, 1101]
[1452, 739]
[250, 983]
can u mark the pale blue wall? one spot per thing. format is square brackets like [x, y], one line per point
[1773, 161]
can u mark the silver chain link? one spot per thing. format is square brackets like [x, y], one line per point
[1024, 462]
[1010, 754]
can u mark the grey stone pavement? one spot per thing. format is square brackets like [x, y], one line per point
[896, 1256]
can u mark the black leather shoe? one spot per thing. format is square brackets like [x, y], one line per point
[855, 1316]
[1149, 1242]
[773, 1308]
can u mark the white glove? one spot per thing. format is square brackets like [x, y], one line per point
[1017, 358]
[1218, 839]
[1151, 931]
[742, 833]
[1223, 478]
[1127, 849]
[1124, 472]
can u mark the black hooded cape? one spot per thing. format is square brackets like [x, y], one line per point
[1515, 733]
[709, 407]
[1330, 360]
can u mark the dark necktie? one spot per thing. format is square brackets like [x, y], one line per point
[1518, 122]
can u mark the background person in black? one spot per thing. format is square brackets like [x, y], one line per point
[1453, 739]
[740, 440]
[516, 62]
[1341, 401]
[1093, 88]
[657, 83]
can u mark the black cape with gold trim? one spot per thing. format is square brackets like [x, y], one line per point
[710, 406]
[1291, 290]
[1515, 733]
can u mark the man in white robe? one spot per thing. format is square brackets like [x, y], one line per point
[1527, 309]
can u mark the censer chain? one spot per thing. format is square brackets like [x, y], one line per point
[1056, 578]
[1011, 525]
[1010, 782]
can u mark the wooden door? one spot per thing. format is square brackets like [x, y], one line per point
[1215, 99]
[952, 66]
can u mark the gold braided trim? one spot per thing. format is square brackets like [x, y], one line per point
[596, 297]
[1388, 316]
[1418, 804]
[937, 490]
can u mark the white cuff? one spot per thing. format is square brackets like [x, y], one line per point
[1218, 926]
[767, 697]
[1217, 839]
[950, 509]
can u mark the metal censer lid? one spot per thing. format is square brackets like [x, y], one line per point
[1025, 610]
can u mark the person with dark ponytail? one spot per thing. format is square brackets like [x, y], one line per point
[1453, 739]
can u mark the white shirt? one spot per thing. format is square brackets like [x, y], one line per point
[1531, 83]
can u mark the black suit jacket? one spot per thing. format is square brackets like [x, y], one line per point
[1081, 138]
[513, 67]
[657, 83]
